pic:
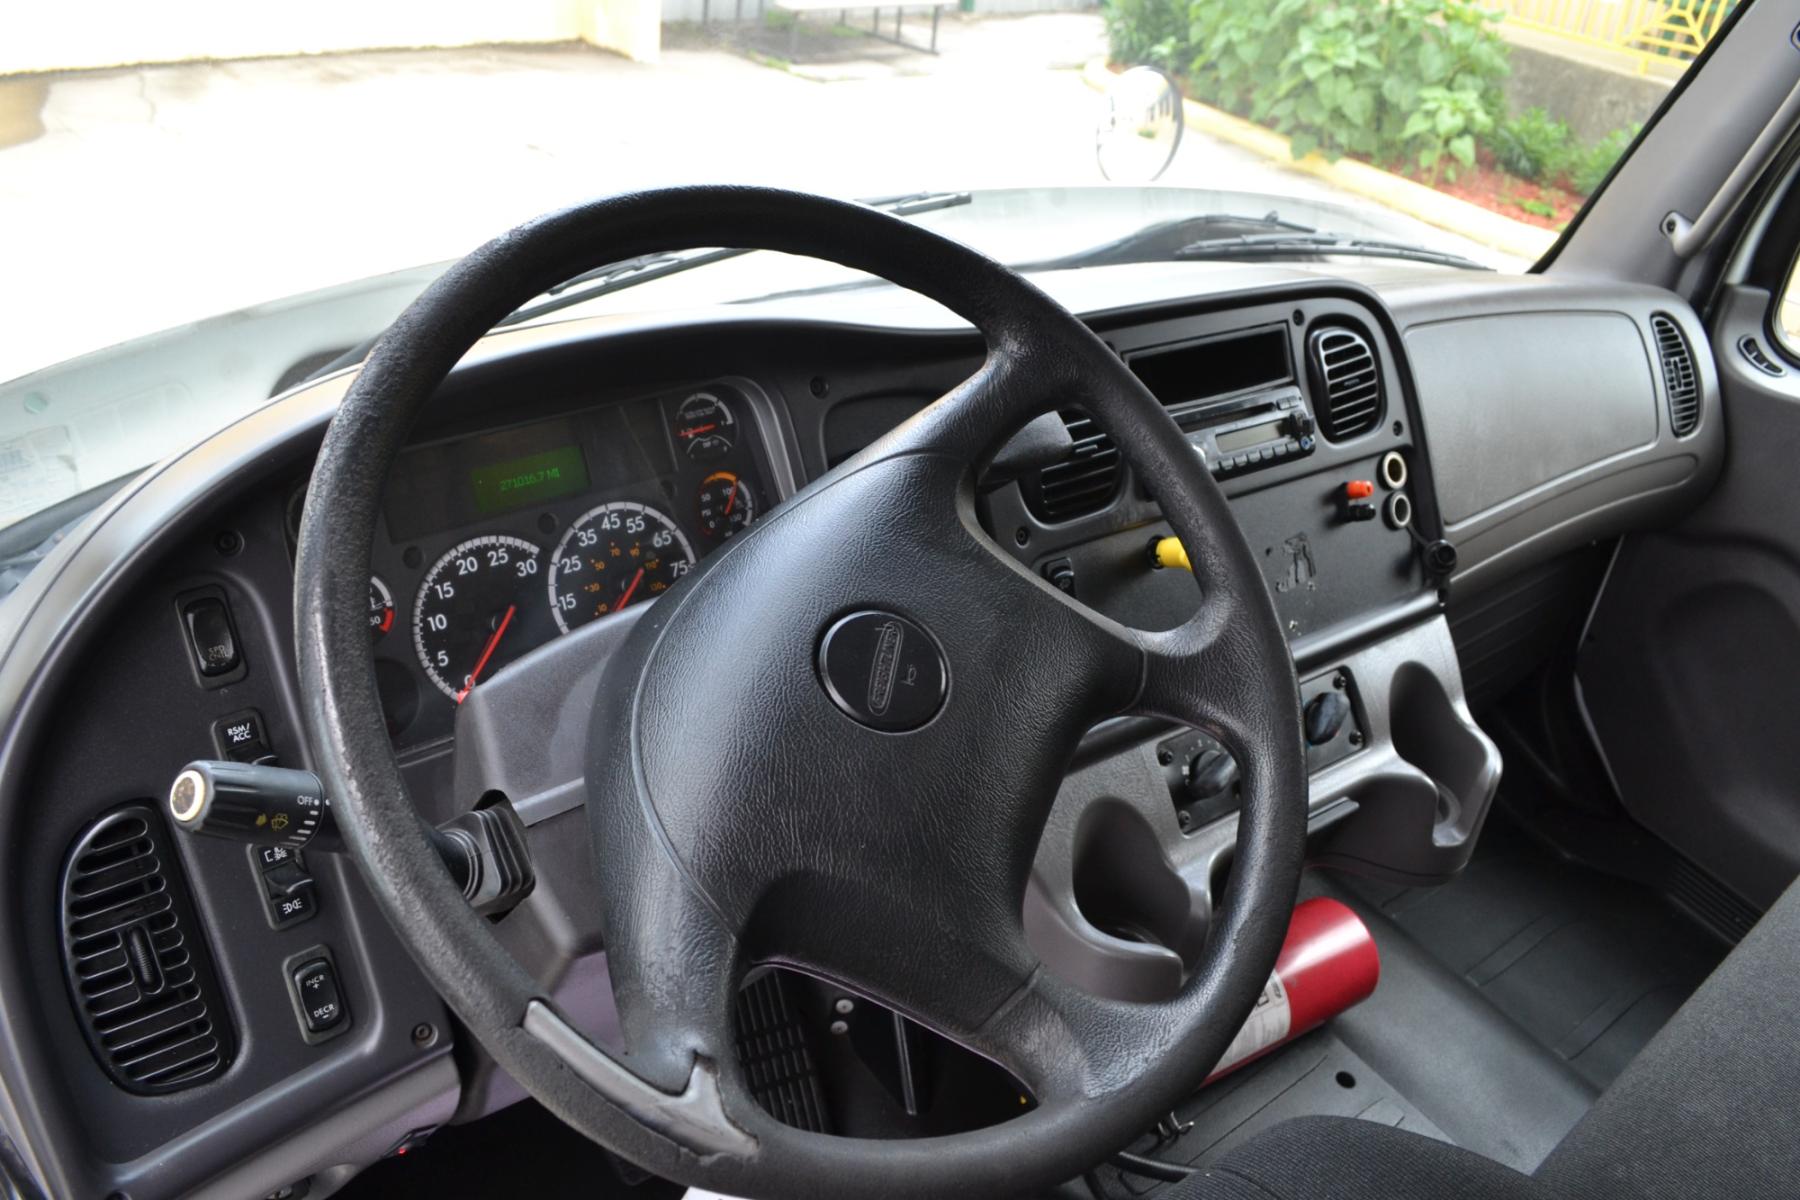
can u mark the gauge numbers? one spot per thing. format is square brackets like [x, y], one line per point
[472, 599]
[727, 505]
[613, 556]
[381, 608]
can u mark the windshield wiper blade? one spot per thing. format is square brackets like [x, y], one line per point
[645, 268]
[616, 277]
[1161, 241]
[911, 204]
[1292, 245]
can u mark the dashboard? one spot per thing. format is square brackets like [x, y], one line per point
[569, 474]
[494, 543]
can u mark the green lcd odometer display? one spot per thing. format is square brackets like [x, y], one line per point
[521, 481]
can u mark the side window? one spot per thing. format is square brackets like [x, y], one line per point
[1786, 317]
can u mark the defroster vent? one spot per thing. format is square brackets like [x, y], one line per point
[137, 966]
[1346, 382]
[1083, 483]
[1680, 380]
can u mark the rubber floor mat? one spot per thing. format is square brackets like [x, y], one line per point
[1588, 965]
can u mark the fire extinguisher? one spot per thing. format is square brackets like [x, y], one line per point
[1328, 963]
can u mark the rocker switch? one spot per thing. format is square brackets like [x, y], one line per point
[321, 1004]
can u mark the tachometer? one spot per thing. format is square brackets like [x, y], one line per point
[613, 556]
[704, 426]
[472, 599]
[727, 505]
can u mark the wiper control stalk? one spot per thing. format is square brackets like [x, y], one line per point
[265, 805]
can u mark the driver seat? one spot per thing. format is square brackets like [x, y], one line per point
[1706, 1110]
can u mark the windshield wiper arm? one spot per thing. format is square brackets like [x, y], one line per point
[1290, 245]
[645, 268]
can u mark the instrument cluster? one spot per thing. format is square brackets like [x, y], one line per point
[497, 542]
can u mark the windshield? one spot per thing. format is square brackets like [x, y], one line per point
[249, 159]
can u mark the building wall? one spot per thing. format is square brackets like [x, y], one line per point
[63, 35]
[72, 35]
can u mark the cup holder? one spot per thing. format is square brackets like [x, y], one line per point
[1433, 736]
[1419, 813]
[1126, 888]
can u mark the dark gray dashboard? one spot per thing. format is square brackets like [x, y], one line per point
[1530, 417]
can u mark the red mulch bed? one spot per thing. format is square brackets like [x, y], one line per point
[1487, 185]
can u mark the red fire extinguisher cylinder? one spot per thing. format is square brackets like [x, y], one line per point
[1327, 964]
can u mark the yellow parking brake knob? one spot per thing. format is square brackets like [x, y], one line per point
[1169, 552]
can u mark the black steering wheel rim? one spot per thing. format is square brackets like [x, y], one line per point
[660, 1103]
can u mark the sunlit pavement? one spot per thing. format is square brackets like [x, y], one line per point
[160, 195]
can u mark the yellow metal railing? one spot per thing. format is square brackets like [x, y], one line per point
[1650, 33]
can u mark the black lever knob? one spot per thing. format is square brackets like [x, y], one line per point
[1325, 716]
[263, 805]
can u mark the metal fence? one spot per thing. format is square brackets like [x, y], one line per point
[1650, 34]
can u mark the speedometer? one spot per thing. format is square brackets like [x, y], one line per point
[468, 617]
[613, 556]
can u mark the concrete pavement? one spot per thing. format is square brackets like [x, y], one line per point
[135, 200]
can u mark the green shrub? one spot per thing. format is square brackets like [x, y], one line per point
[1534, 145]
[1148, 31]
[1586, 175]
[1408, 81]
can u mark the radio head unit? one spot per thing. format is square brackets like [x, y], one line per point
[1250, 431]
[1235, 397]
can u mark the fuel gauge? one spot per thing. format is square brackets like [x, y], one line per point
[704, 426]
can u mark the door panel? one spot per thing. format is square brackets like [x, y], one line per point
[1690, 667]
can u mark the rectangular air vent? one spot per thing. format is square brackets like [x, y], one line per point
[1083, 483]
[1346, 382]
[1680, 379]
[137, 967]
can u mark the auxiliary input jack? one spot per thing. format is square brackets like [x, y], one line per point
[1398, 511]
[1392, 470]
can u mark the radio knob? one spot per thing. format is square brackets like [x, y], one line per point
[1301, 423]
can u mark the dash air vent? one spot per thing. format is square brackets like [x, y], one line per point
[1083, 483]
[136, 964]
[1346, 382]
[1680, 379]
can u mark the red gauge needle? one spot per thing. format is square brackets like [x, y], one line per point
[629, 589]
[697, 430]
[487, 652]
[731, 498]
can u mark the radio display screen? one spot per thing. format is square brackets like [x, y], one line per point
[1250, 435]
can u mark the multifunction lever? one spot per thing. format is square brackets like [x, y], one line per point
[484, 850]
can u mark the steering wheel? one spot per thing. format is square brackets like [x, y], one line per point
[891, 701]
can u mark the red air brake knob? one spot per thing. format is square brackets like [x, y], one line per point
[1359, 489]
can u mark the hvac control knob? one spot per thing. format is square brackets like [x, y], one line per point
[1325, 716]
[1210, 773]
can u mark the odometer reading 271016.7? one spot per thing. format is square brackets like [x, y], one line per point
[466, 623]
[613, 556]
